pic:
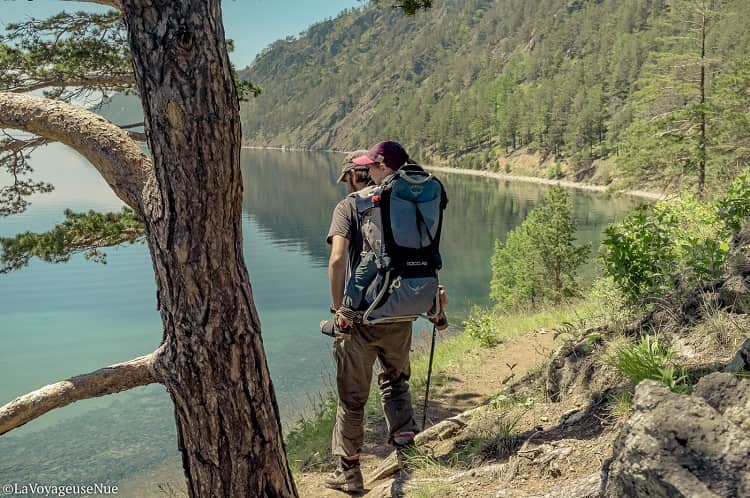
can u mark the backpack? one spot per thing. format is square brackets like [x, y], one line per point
[401, 221]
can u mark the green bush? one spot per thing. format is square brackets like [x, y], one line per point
[734, 208]
[539, 260]
[666, 247]
[610, 303]
[481, 327]
[555, 171]
[649, 359]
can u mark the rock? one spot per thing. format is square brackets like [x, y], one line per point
[683, 446]
[738, 259]
[727, 395]
[741, 360]
[734, 295]
[585, 488]
[572, 417]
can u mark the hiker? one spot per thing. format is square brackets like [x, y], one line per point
[356, 177]
[369, 321]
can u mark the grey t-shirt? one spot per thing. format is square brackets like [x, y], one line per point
[345, 223]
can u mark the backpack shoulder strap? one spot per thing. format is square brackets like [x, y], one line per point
[363, 198]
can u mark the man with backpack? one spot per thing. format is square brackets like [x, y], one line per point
[383, 274]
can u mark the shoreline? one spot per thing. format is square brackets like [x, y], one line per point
[643, 194]
[546, 181]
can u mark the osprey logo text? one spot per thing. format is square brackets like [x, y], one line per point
[416, 288]
[415, 190]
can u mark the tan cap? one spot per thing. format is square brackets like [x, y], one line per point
[348, 165]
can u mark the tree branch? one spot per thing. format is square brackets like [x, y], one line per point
[107, 380]
[138, 136]
[109, 148]
[86, 233]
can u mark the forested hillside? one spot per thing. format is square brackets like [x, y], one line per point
[655, 92]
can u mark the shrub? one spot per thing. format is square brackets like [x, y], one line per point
[555, 171]
[481, 326]
[610, 303]
[670, 246]
[539, 259]
[735, 206]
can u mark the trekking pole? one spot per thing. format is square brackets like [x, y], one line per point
[429, 374]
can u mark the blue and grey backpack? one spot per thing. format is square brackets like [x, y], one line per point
[397, 275]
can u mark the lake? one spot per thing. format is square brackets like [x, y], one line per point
[66, 319]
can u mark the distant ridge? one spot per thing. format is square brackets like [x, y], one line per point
[469, 79]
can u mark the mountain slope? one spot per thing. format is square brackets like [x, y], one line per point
[472, 78]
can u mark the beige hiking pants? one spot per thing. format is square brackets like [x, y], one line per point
[355, 355]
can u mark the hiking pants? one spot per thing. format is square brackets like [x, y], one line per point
[355, 354]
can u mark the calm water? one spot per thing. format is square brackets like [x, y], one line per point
[61, 320]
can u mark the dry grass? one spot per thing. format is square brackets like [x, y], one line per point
[721, 329]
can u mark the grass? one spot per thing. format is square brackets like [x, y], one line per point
[419, 459]
[622, 405]
[308, 444]
[428, 490]
[650, 358]
[721, 329]
[507, 402]
[493, 443]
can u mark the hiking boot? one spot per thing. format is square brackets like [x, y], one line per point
[347, 480]
[404, 452]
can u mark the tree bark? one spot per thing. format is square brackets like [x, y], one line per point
[702, 138]
[213, 364]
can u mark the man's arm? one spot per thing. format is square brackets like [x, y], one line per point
[337, 268]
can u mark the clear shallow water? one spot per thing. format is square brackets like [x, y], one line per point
[61, 320]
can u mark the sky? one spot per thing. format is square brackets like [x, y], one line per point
[252, 24]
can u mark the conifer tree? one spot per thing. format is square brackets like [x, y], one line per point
[539, 260]
[669, 141]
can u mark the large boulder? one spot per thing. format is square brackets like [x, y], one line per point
[684, 446]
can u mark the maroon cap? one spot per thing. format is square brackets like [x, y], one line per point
[389, 153]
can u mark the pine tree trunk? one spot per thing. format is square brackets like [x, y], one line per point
[214, 365]
[702, 155]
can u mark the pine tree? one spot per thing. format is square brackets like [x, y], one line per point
[539, 260]
[669, 139]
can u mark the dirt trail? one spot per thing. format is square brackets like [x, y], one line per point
[483, 374]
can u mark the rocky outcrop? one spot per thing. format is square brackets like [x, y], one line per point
[569, 366]
[741, 359]
[684, 446]
[575, 369]
[731, 398]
